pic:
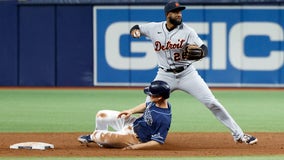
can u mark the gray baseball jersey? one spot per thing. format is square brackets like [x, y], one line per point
[168, 44]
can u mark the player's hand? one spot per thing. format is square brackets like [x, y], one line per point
[124, 114]
[127, 148]
[136, 33]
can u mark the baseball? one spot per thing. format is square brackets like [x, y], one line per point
[136, 34]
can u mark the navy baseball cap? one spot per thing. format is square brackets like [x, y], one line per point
[158, 88]
[172, 6]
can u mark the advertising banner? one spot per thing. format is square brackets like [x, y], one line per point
[246, 45]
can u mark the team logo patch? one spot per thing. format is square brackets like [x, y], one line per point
[157, 136]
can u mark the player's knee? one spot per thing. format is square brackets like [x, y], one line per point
[101, 114]
[213, 105]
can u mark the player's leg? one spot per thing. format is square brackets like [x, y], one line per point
[201, 91]
[114, 139]
[108, 118]
[193, 84]
[167, 77]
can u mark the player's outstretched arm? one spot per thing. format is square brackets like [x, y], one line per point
[147, 145]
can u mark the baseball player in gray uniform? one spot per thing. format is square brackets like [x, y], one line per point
[168, 38]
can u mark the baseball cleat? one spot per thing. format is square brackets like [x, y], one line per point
[248, 139]
[85, 139]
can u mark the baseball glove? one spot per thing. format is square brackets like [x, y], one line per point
[192, 52]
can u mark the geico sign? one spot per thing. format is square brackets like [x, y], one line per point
[236, 53]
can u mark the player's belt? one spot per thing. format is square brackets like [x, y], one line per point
[176, 70]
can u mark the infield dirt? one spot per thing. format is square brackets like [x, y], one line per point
[177, 144]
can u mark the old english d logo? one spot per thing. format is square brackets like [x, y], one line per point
[177, 4]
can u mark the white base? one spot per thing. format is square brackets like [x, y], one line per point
[32, 145]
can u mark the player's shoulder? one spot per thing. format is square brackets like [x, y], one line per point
[186, 27]
[157, 23]
[153, 23]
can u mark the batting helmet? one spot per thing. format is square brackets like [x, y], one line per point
[158, 88]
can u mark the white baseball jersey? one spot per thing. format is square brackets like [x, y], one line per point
[168, 44]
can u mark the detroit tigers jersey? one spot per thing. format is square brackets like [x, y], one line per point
[168, 44]
[154, 124]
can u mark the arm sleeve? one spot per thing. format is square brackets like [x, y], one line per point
[205, 49]
[147, 29]
[161, 133]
